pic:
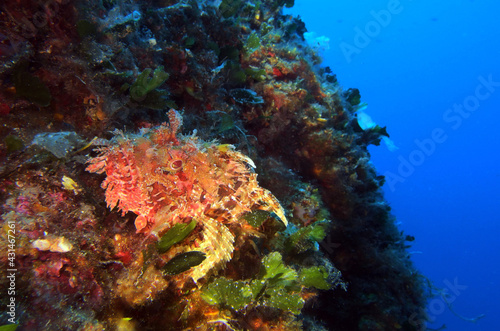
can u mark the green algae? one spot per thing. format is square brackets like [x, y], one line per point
[145, 84]
[296, 26]
[226, 123]
[291, 302]
[253, 43]
[256, 74]
[175, 235]
[316, 277]
[352, 96]
[276, 273]
[228, 293]
[276, 286]
[183, 262]
[305, 238]
[9, 327]
[256, 217]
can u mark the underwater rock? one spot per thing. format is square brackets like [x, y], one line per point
[60, 144]
[244, 75]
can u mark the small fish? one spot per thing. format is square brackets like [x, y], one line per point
[70, 185]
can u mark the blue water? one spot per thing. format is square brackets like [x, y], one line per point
[415, 65]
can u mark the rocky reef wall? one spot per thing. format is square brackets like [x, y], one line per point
[181, 165]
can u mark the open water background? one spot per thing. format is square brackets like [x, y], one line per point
[430, 72]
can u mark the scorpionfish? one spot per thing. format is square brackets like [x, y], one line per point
[167, 178]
